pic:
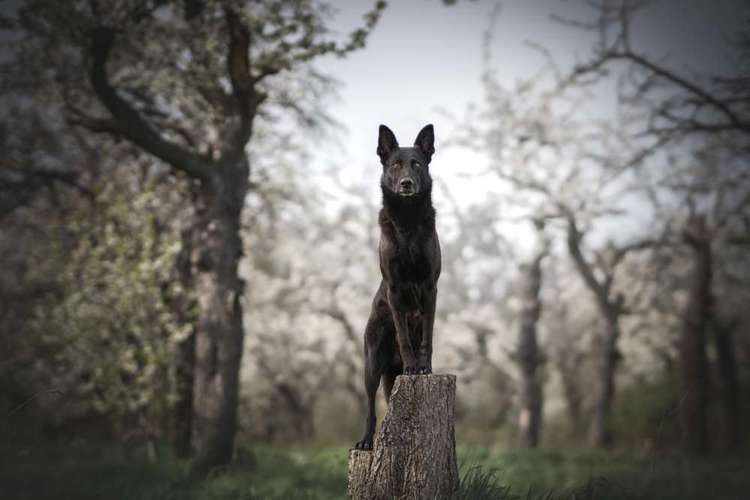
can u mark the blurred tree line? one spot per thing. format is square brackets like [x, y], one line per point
[155, 215]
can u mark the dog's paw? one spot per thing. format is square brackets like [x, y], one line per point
[410, 369]
[365, 444]
[424, 370]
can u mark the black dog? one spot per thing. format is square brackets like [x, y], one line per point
[398, 337]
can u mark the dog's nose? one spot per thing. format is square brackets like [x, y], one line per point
[406, 183]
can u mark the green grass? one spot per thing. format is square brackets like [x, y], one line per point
[582, 473]
[82, 471]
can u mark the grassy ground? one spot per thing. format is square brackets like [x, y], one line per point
[80, 472]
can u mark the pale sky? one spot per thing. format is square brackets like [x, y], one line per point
[424, 56]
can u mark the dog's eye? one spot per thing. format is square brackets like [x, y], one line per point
[417, 164]
[395, 165]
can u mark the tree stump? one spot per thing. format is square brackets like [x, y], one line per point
[414, 453]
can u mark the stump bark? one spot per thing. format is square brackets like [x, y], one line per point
[414, 453]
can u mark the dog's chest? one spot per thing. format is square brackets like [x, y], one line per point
[410, 262]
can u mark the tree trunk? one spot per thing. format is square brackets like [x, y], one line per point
[730, 385]
[528, 356]
[693, 360]
[414, 454]
[610, 308]
[601, 432]
[185, 351]
[571, 386]
[219, 339]
[183, 408]
[300, 410]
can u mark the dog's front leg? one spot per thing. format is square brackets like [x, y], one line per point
[424, 361]
[409, 360]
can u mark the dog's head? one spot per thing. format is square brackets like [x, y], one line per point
[405, 170]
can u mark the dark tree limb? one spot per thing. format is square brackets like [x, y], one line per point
[129, 121]
[238, 69]
[692, 96]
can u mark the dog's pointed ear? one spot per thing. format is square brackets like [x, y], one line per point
[426, 141]
[387, 143]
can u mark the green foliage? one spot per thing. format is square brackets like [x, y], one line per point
[110, 333]
[645, 414]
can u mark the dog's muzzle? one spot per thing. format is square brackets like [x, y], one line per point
[407, 187]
